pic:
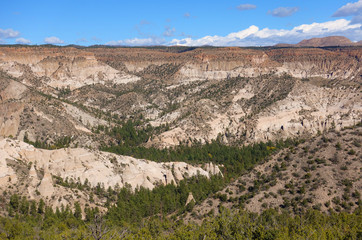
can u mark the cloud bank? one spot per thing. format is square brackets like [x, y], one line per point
[253, 36]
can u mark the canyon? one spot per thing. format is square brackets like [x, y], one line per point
[237, 96]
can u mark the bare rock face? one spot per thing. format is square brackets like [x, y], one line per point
[7, 175]
[233, 94]
[190, 198]
[213, 169]
[46, 188]
[69, 67]
[309, 109]
[52, 95]
[94, 167]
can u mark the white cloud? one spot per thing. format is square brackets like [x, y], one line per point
[283, 11]
[53, 40]
[246, 6]
[8, 33]
[217, 40]
[351, 9]
[169, 32]
[138, 42]
[253, 36]
[22, 41]
[244, 33]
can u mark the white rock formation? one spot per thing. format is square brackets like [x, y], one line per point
[190, 198]
[7, 174]
[97, 167]
[46, 187]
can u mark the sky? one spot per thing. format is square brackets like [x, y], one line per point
[187, 22]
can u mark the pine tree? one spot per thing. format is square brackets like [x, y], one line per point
[77, 211]
[41, 206]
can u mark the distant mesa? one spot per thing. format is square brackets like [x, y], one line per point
[326, 42]
[323, 42]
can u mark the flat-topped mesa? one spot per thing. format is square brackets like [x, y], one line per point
[330, 41]
[326, 41]
[68, 66]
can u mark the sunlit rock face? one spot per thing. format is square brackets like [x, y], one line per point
[234, 94]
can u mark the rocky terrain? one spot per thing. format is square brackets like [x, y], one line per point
[323, 173]
[73, 100]
[38, 173]
[235, 94]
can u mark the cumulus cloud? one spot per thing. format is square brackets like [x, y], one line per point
[253, 36]
[283, 11]
[217, 40]
[8, 33]
[22, 41]
[53, 40]
[351, 9]
[169, 32]
[138, 42]
[246, 6]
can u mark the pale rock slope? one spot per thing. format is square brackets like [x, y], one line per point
[238, 95]
[81, 165]
[70, 67]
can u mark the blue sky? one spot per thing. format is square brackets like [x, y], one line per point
[219, 23]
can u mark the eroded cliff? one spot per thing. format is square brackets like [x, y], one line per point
[236, 94]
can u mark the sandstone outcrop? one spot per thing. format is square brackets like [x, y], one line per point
[190, 198]
[234, 94]
[92, 166]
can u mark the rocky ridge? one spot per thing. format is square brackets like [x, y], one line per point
[237, 94]
[323, 172]
[34, 172]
